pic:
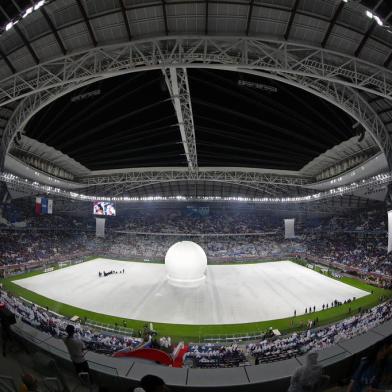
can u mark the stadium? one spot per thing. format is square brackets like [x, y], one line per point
[195, 195]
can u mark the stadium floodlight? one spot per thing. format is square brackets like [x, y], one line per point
[27, 12]
[39, 5]
[370, 15]
[380, 179]
[378, 20]
[24, 14]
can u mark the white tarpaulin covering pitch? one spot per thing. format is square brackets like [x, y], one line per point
[289, 228]
[230, 294]
[100, 227]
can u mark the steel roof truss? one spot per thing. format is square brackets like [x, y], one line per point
[54, 30]
[300, 65]
[87, 22]
[178, 86]
[282, 57]
[126, 21]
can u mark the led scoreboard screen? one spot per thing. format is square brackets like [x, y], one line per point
[104, 208]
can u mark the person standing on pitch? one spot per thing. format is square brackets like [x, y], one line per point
[77, 350]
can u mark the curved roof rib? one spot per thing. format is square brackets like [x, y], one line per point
[328, 47]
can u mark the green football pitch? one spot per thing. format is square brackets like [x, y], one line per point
[200, 332]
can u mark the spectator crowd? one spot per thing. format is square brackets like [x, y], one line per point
[358, 242]
[270, 348]
[55, 325]
[354, 242]
[299, 343]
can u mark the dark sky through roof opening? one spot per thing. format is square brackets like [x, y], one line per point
[240, 120]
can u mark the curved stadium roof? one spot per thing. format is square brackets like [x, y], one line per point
[240, 119]
[132, 123]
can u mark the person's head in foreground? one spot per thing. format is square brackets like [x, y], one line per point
[29, 383]
[308, 377]
[151, 383]
[312, 359]
[70, 329]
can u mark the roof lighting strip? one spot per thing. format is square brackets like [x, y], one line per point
[24, 14]
[379, 179]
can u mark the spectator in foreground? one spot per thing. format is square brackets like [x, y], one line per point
[369, 373]
[29, 383]
[77, 350]
[151, 383]
[7, 318]
[309, 377]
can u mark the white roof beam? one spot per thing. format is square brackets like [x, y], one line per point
[178, 86]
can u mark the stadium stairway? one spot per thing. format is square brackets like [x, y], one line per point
[19, 361]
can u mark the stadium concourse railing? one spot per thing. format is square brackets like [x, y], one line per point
[121, 330]
[122, 374]
[349, 269]
[109, 327]
[34, 265]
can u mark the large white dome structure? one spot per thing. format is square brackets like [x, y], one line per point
[186, 264]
